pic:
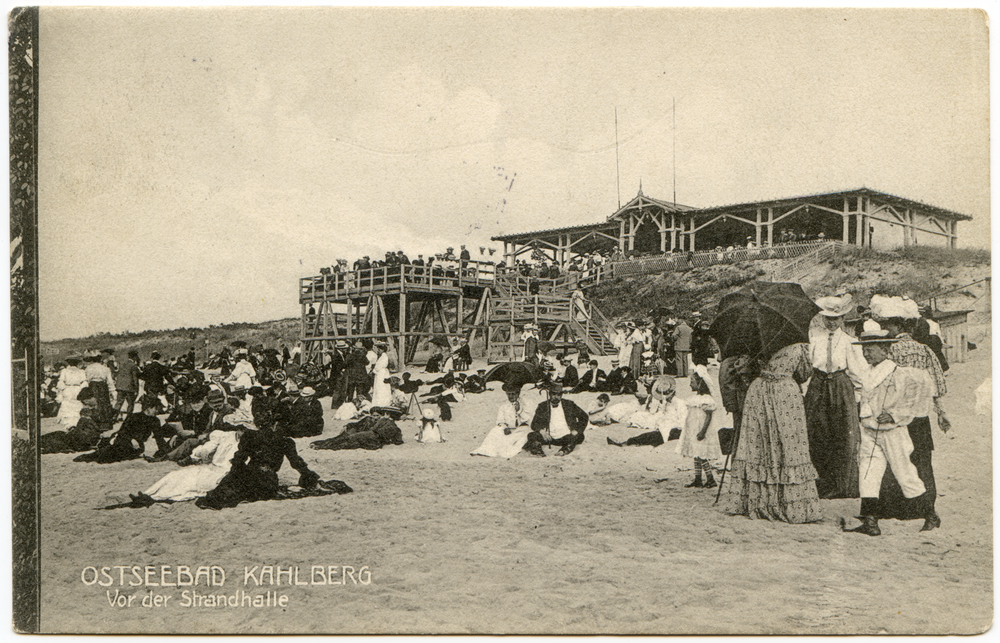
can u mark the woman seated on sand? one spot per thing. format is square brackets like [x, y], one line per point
[211, 462]
[622, 411]
[87, 432]
[253, 475]
[510, 434]
[663, 413]
[352, 410]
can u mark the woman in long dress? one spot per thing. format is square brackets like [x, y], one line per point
[196, 480]
[772, 474]
[381, 390]
[71, 381]
[510, 434]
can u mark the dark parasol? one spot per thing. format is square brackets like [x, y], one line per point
[441, 341]
[761, 318]
[514, 373]
[546, 347]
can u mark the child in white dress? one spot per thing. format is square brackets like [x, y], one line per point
[700, 436]
[430, 431]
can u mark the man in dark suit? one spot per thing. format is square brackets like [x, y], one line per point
[556, 422]
[592, 380]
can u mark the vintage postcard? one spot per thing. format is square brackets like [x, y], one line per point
[501, 321]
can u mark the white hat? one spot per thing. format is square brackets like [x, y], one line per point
[835, 306]
[307, 391]
[870, 326]
[428, 414]
[887, 307]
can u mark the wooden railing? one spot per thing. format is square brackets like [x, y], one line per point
[444, 276]
[796, 269]
[704, 258]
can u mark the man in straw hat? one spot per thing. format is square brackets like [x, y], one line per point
[831, 403]
[891, 396]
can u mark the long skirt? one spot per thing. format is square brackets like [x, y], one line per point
[772, 476]
[834, 435]
[635, 359]
[500, 445]
[103, 396]
[892, 503]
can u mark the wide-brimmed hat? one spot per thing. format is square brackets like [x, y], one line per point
[835, 306]
[307, 391]
[875, 337]
[894, 307]
[428, 414]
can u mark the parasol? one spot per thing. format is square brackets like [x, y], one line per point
[546, 347]
[514, 373]
[761, 318]
[239, 343]
[441, 341]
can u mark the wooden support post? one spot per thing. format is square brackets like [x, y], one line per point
[691, 247]
[673, 231]
[401, 350]
[770, 226]
[621, 235]
[757, 228]
[350, 320]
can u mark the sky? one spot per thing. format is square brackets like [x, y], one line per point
[195, 163]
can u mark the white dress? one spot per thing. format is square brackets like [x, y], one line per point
[689, 446]
[71, 381]
[501, 445]
[431, 433]
[196, 480]
[243, 374]
[381, 391]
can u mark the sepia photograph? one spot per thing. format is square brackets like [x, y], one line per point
[576, 321]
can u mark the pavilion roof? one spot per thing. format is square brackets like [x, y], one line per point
[603, 226]
[885, 196]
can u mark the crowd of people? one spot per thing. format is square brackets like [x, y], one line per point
[861, 429]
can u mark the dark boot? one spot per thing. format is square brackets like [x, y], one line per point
[566, 450]
[931, 522]
[710, 482]
[869, 526]
[695, 483]
[535, 449]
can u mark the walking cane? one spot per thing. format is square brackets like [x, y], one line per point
[732, 450]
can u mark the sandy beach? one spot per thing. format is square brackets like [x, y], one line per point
[451, 543]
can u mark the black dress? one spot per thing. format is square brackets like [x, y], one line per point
[254, 475]
[138, 427]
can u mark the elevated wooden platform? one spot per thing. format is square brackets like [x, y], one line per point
[448, 279]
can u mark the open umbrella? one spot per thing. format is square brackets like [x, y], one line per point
[441, 341]
[239, 343]
[546, 347]
[514, 373]
[761, 318]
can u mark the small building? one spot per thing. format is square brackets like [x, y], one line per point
[954, 333]
[648, 226]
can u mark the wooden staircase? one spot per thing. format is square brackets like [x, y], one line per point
[561, 312]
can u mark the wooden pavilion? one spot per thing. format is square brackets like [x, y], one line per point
[861, 217]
